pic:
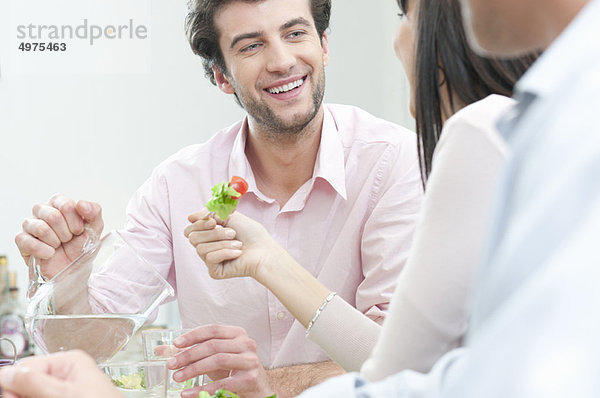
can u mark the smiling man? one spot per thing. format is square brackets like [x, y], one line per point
[331, 183]
[338, 188]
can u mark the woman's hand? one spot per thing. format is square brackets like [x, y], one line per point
[243, 247]
[238, 247]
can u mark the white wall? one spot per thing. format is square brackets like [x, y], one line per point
[99, 136]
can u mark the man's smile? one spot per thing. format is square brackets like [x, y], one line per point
[286, 88]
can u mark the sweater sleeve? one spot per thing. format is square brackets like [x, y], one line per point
[429, 312]
[354, 334]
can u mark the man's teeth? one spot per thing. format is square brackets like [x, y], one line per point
[286, 87]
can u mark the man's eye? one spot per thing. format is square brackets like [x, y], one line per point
[296, 34]
[250, 47]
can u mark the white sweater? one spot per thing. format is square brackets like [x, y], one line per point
[429, 311]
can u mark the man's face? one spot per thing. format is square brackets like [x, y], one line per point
[275, 61]
[504, 27]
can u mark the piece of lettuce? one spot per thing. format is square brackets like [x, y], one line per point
[135, 381]
[224, 200]
[221, 393]
[188, 383]
[224, 394]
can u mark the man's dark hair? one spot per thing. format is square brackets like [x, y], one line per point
[442, 46]
[204, 38]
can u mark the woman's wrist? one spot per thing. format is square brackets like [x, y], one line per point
[296, 288]
[273, 267]
[319, 310]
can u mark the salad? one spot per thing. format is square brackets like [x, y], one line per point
[225, 196]
[135, 381]
[224, 394]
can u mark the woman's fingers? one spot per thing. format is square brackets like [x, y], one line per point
[215, 258]
[200, 225]
[198, 237]
[199, 215]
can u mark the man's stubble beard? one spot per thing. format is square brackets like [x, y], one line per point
[274, 127]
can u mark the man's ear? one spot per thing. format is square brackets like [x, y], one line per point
[222, 81]
[325, 46]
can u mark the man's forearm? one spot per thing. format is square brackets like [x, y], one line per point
[290, 381]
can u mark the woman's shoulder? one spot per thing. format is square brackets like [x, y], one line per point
[477, 122]
[484, 112]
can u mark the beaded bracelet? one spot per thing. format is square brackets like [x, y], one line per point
[319, 310]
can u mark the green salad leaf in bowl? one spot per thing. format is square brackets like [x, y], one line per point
[135, 381]
[224, 394]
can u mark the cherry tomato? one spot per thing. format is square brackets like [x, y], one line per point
[239, 184]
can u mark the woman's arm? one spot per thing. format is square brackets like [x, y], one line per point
[244, 248]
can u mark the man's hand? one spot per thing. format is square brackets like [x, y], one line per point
[68, 374]
[55, 234]
[227, 355]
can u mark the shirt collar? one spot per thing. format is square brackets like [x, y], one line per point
[509, 120]
[329, 165]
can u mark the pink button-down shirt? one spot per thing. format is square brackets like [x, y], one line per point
[350, 225]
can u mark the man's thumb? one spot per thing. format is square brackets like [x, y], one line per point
[92, 214]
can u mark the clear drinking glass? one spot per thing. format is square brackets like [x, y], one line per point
[9, 343]
[97, 302]
[139, 379]
[158, 346]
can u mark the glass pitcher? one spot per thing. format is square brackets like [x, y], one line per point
[97, 302]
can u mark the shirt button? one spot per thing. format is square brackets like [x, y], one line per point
[280, 315]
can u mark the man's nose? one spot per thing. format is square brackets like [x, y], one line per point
[281, 57]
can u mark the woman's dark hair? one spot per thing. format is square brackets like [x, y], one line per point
[445, 61]
[204, 38]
